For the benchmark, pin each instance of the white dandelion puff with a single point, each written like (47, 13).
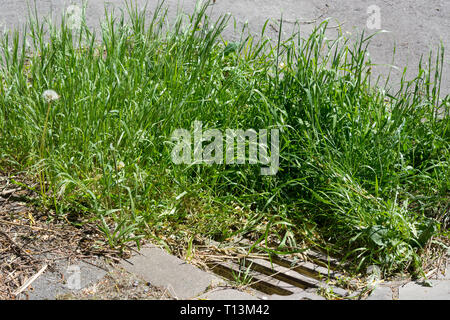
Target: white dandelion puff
(120, 165)
(50, 95)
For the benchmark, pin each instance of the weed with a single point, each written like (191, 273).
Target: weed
(363, 171)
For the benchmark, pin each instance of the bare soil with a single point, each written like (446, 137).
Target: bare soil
(32, 238)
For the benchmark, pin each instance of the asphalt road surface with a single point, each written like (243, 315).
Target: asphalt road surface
(414, 27)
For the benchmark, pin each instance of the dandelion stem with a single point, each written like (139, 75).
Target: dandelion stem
(42, 174)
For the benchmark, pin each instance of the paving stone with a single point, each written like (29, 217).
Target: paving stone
(226, 294)
(183, 281)
(50, 285)
(413, 291)
(381, 293)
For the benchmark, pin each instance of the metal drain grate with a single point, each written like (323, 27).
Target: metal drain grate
(272, 274)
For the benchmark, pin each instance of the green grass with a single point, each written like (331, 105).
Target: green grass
(363, 173)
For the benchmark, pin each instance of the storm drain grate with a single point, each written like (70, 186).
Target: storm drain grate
(273, 274)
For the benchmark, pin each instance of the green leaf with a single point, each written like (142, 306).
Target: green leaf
(425, 231)
(230, 48)
(379, 235)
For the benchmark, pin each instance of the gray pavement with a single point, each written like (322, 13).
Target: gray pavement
(70, 277)
(381, 293)
(185, 281)
(439, 290)
(436, 288)
(182, 280)
(226, 294)
(414, 27)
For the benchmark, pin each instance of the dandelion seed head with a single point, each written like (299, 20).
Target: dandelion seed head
(50, 95)
(120, 165)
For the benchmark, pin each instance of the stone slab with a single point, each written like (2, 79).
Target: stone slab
(413, 291)
(381, 293)
(227, 294)
(50, 285)
(182, 280)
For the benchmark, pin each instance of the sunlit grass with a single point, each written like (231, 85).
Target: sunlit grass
(363, 173)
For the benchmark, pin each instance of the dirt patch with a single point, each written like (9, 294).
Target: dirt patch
(35, 243)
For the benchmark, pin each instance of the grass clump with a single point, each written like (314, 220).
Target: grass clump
(362, 171)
